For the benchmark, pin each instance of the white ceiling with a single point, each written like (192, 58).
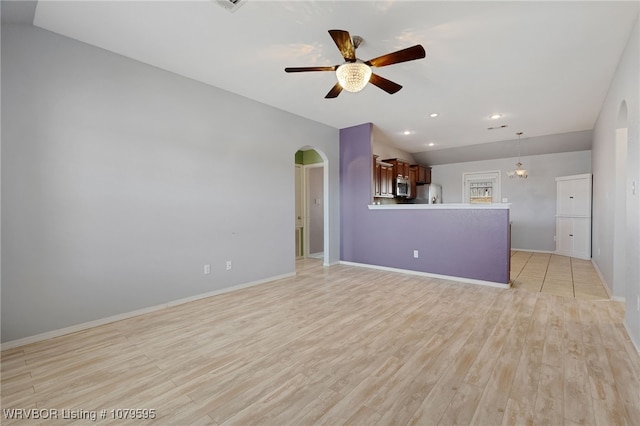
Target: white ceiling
(546, 66)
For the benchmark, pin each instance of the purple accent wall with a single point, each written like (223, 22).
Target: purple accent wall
(468, 243)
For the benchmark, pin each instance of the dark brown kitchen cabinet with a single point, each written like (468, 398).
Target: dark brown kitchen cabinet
(386, 181)
(376, 178)
(382, 179)
(423, 174)
(400, 167)
(413, 174)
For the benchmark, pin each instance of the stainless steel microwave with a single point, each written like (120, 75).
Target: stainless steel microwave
(401, 187)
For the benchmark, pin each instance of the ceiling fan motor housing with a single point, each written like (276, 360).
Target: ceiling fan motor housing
(357, 41)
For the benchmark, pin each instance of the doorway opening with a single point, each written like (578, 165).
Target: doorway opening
(311, 211)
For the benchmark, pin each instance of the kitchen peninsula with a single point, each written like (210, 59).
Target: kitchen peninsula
(465, 242)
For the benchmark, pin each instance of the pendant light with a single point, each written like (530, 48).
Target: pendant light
(519, 171)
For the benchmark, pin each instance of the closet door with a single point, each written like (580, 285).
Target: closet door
(581, 193)
(564, 198)
(581, 235)
(573, 216)
(564, 236)
(574, 197)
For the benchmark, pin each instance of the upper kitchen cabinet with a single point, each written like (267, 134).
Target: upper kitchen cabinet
(400, 167)
(423, 174)
(382, 179)
(413, 176)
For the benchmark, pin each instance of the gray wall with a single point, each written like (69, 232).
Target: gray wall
(625, 87)
(533, 201)
(120, 181)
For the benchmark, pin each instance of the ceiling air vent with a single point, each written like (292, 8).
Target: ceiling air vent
(498, 127)
(231, 5)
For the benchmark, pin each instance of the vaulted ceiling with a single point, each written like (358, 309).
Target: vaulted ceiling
(545, 67)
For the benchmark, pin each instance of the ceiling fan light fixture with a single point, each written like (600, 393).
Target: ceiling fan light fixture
(353, 76)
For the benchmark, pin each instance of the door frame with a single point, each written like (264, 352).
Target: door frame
(326, 199)
(305, 207)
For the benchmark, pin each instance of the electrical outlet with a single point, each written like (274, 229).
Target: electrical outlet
(555, 238)
(415, 254)
(207, 269)
(228, 265)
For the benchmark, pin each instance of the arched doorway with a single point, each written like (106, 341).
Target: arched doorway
(311, 200)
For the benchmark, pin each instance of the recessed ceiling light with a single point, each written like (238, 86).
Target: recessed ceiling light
(495, 116)
(433, 115)
(406, 132)
(431, 144)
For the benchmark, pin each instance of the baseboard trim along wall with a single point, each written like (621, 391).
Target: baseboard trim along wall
(607, 287)
(427, 274)
(534, 251)
(84, 326)
(633, 342)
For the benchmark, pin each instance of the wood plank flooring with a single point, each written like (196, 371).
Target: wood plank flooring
(344, 345)
(554, 274)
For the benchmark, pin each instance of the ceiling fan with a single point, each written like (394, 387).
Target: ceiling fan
(354, 74)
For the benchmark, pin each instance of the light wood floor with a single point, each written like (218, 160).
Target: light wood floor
(559, 275)
(346, 345)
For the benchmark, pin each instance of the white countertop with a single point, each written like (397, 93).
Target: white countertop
(446, 206)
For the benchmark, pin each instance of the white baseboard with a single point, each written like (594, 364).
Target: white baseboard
(607, 287)
(427, 274)
(570, 254)
(534, 251)
(102, 321)
(635, 344)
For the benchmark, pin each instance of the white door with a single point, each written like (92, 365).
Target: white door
(581, 197)
(564, 237)
(564, 198)
(574, 197)
(581, 231)
(574, 237)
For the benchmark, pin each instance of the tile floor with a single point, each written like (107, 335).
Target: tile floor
(559, 275)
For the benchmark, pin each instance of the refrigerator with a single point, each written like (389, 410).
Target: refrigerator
(429, 194)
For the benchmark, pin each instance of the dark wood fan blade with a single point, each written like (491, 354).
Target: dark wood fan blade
(344, 43)
(334, 92)
(386, 85)
(305, 69)
(404, 55)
